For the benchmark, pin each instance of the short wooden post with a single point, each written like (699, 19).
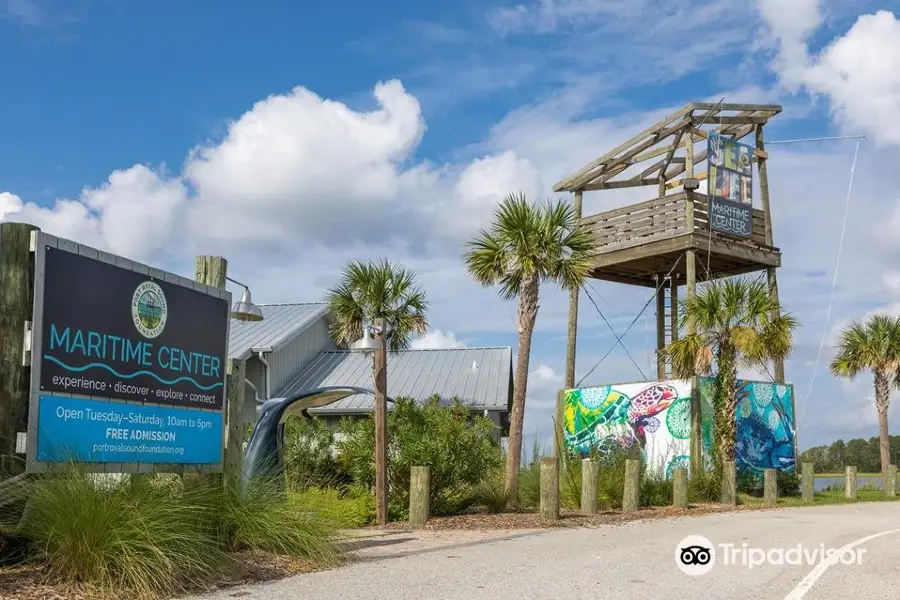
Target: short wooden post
(680, 488)
(770, 487)
(631, 495)
(807, 482)
(419, 496)
(890, 482)
(16, 303)
(549, 488)
(729, 483)
(590, 471)
(850, 484)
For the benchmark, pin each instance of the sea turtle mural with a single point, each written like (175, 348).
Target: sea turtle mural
(654, 416)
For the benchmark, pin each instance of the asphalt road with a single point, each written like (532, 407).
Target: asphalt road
(632, 561)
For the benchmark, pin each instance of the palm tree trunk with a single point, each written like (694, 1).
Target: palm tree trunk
(726, 402)
(882, 401)
(528, 307)
(379, 367)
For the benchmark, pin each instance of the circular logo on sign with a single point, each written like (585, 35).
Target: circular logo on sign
(149, 309)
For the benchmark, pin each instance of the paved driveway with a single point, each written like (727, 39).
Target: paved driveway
(633, 561)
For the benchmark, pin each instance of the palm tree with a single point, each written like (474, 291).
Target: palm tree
(525, 246)
(731, 321)
(875, 345)
(382, 299)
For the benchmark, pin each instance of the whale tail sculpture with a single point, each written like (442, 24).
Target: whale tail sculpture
(264, 457)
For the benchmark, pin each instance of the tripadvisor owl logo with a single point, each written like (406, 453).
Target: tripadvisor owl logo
(149, 309)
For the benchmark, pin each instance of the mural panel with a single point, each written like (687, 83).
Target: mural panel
(765, 425)
(656, 416)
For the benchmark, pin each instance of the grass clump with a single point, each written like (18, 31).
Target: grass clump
(348, 507)
(121, 536)
(491, 492)
(153, 536)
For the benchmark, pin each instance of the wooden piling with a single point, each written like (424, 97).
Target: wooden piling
(631, 495)
(850, 484)
(549, 489)
(419, 495)
(212, 271)
(16, 305)
(590, 471)
(680, 488)
(890, 482)
(770, 487)
(729, 483)
(807, 482)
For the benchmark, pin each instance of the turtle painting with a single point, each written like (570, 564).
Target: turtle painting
(605, 418)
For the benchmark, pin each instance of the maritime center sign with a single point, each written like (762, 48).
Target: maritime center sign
(114, 332)
(127, 368)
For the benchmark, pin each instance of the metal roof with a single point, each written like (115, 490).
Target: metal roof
(280, 324)
(479, 377)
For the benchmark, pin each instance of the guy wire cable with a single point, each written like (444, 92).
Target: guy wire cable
(618, 339)
(653, 297)
(834, 279)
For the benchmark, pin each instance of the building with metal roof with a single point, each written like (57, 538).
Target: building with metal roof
(291, 349)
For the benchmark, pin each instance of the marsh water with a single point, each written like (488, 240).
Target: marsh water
(820, 483)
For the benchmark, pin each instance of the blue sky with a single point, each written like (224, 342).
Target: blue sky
(291, 139)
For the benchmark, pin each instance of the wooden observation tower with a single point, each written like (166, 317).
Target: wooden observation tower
(669, 240)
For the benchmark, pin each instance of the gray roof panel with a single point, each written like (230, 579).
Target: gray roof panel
(281, 322)
(480, 377)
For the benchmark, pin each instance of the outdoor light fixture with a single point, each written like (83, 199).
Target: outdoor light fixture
(245, 310)
(368, 342)
(691, 183)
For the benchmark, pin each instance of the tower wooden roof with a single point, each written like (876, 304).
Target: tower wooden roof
(658, 145)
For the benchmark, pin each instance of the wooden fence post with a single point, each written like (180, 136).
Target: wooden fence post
(770, 487)
(807, 482)
(631, 495)
(890, 482)
(549, 488)
(850, 484)
(419, 495)
(680, 488)
(16, 304)
(590, 471)
(729, 483)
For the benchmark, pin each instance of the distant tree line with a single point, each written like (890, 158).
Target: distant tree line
(863, 454)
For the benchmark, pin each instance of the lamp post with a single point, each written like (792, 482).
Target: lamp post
(374, 339)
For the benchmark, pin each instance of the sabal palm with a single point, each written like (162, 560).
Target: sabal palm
(731, 321)
(377, 291)
(873, 345)
(383, 296)
(526, 245)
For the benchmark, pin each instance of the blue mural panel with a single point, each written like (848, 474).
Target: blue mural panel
(73, 429)
(765, 425)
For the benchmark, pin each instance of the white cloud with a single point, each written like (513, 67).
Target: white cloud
(859, 71)
(543, 384)
(436, 339)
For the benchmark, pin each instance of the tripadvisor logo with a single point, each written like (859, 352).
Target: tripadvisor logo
(149, 309)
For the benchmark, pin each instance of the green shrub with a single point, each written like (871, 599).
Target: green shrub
(491, 492)
(309, 455)
(457, 444)
(120, 536)
(705, 486)
(344, 508)
(656, 490)
(530, 479)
